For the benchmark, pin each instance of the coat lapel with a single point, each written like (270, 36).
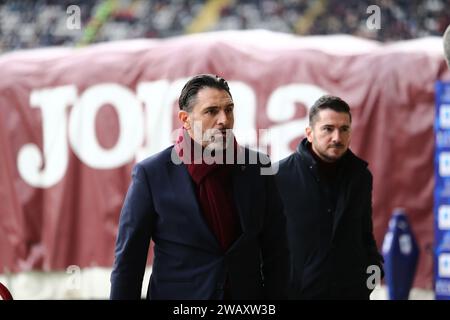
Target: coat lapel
(183, 189)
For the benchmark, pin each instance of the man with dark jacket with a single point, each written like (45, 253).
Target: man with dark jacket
(326, 191)
(211, 209)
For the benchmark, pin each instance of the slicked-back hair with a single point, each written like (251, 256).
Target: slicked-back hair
(195, 84)
(328, 102)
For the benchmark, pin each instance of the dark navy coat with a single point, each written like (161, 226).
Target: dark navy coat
(188, 261)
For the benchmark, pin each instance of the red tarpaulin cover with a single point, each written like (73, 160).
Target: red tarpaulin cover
(74, 121)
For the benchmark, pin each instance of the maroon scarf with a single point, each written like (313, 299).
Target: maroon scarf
(214, 190)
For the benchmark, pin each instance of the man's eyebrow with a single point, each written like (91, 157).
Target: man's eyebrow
(217, 107)
(211, 107)
(231, 104)
(332, 126)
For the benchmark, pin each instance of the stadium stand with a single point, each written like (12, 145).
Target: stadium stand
(29, 24)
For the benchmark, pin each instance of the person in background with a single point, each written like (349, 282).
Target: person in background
(327, 196)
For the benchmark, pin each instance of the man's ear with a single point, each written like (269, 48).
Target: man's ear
(184, 118)
(309, 133)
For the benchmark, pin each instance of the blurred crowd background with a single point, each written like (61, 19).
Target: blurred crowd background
(30, 24)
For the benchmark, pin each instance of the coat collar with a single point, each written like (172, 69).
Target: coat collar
(348, 159)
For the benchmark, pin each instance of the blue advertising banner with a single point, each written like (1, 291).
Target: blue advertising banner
(442, 192)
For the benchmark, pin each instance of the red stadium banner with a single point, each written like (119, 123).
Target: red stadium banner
(74, 121)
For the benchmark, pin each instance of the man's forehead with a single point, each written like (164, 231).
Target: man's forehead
(212, 92)
(329, 116)
(217, 98)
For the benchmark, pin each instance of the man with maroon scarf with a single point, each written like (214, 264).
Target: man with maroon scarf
(210, 207)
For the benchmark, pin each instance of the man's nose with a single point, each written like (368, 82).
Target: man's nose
(336, 136)
(222, 118)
